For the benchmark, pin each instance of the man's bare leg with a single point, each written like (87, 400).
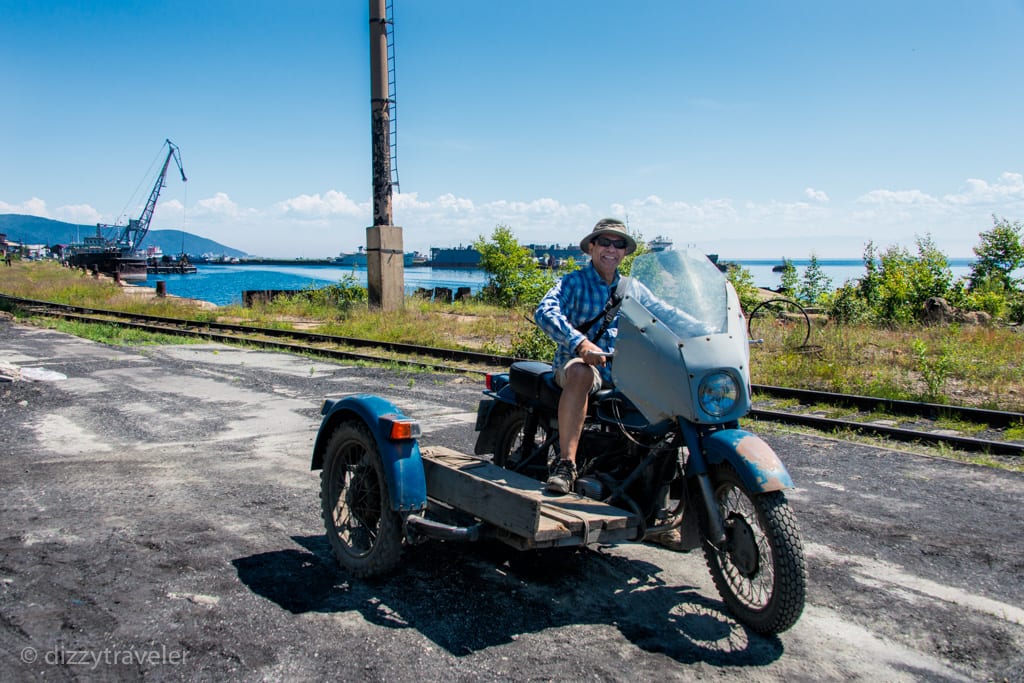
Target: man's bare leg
(572, 411)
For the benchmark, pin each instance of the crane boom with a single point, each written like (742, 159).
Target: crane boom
(134, 233)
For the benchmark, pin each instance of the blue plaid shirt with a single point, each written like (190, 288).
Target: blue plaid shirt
(574, 300)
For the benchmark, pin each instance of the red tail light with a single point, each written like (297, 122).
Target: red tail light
(399, 427)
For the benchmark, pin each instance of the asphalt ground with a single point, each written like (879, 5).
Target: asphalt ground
(160, 522)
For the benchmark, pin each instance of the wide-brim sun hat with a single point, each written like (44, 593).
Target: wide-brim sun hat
(612, 227)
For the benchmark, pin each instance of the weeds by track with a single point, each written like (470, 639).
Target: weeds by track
(899, 420)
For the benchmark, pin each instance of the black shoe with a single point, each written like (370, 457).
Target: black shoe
(562, 477)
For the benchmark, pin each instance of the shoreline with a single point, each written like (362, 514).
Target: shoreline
(142, 290)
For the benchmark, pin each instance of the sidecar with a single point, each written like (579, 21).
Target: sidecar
(379, 491)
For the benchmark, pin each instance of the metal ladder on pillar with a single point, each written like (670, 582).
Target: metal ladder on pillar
(389, 23)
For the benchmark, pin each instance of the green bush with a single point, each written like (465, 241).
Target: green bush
(935, 370)
(1015, 309)
(987, 300)
(789, 281)
(341, 296)
(815, 286)
(743, 282)
(847, 306)
(533, 343)
(1000, 253)
(896, 284)
(514, 279)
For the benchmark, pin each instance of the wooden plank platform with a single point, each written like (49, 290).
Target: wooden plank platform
(519, 505)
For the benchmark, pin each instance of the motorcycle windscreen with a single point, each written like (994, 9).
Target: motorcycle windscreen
(675, 328)
(683, 289)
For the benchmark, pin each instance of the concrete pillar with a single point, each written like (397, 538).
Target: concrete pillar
(385, 267)
(385, 272)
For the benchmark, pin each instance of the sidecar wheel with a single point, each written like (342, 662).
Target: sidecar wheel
(761, 575)
(364, 532)
(508, 451)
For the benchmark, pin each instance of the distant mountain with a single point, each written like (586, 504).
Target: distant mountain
(35, 230)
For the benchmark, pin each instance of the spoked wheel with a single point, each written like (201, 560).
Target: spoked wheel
(509, 452)
(760, 573)
(779, 324)
(364, 532)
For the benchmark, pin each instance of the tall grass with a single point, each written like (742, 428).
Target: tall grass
(49, 281)
(962, 365)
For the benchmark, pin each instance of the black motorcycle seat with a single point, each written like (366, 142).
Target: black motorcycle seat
(536, 380)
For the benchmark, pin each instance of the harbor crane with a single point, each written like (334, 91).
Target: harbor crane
(132, 235)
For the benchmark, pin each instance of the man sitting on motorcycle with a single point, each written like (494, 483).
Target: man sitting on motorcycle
(577, 303)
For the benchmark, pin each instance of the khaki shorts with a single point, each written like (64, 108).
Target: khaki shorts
(595, 385)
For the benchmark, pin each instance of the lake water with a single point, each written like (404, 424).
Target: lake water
(224, 284)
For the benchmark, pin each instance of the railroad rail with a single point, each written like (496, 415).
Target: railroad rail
(923, 415)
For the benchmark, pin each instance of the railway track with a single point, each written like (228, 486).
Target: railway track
(909, 421)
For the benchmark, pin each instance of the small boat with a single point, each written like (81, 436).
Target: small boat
(659, 243)
(168, 265)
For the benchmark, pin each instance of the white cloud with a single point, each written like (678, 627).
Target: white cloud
(787, 213)
(451, 202)
(451, 220)
(815, 195)
(217, 205)
(169, 213)
(31, 207)
(80, 214)
(544, 206)
(652, 200)
(332, 203)
(897, 197)
(1009, 188)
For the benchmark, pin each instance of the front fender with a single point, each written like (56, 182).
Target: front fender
(403, 467)
(754, 460)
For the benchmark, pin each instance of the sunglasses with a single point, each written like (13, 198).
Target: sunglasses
(603, 241)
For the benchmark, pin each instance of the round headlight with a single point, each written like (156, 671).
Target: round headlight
(717, 393)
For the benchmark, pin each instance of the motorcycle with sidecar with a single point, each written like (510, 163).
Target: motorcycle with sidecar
(661, 449)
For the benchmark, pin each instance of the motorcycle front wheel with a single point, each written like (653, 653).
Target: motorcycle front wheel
(760, 572)
(364, 532)
(512, 453)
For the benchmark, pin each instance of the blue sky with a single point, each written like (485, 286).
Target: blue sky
(750, 129)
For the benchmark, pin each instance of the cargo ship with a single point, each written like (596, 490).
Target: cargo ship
(547, 255)
(97, 255)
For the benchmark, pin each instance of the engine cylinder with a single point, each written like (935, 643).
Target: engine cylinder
(591, 487)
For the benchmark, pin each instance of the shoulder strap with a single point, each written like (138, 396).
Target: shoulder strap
(585, 327)
(610, 309)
